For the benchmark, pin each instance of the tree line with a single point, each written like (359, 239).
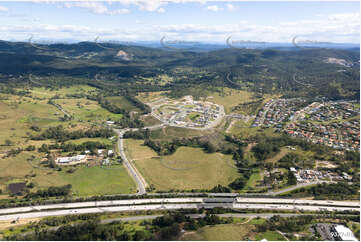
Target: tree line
(71, 147)
(60, 134)
(336, 191)
(167, 227)
(51, 192)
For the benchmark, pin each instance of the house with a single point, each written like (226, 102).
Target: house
(63, 160)
(105, 161)
(78, 157)
(110, 152)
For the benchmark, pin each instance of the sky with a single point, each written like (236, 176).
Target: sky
(180, 20)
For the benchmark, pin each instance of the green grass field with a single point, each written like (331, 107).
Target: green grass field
(82, 140)
(18, 114)
(278, 156)
(230, 98)
(84, 110)
(88, 181)
(169, 133)
(257, 221)
(270, 236)
(150, 121)
(188, 168)
(150, 96)
(41, 92)
(245, 131)
(85, 180)
(256, 177)
(123, 103)
(221, 232)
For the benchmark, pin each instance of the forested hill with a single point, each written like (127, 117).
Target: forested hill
(330, 72)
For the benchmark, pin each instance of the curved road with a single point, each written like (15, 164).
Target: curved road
(133, 172)
(296, 187)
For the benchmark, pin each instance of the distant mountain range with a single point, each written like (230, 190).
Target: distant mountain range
(332, 72)
(204, 46)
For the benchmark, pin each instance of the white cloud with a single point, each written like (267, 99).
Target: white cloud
(149, 5)
(230, 7)
(332, 28)
(96, 7)
(214, 8)
(161, 10)
(3, 9)
(145, 5)
(345, 17)
(119, 11)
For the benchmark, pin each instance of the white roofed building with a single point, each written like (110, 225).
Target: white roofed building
(66, 160)
(63, 160)
(345, 233)
(110, 152)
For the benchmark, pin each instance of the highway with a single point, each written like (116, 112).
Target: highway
(99, 204)
(175, 206)
(178, 200)
(175, 203)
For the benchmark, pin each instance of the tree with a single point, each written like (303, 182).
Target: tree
(292, 180)
(220, 189)
(238, 184)
(139, 235)
(210, 147)
(167, 233)
(35, 128)
(8, 142)
(51, 161)
(30, 148)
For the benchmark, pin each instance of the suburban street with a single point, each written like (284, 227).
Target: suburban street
(261, 120)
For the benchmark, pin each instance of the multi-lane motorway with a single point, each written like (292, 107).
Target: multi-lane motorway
(174, 204)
